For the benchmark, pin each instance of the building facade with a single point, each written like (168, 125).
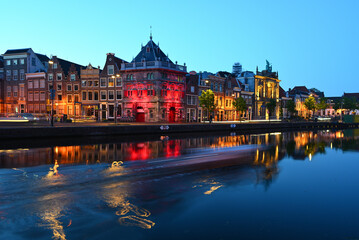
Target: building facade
(90, 93)
(35, 93)
(17, 63)
(154, 86)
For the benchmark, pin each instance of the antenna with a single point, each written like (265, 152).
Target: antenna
(151, 32)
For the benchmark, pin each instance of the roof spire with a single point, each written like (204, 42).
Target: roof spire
(151, 32)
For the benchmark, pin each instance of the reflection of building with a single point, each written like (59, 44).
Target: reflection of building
(154, 86)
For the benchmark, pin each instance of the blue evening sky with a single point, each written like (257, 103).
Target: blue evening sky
(312, 43)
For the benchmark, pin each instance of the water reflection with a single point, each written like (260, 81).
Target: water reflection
(132, 185)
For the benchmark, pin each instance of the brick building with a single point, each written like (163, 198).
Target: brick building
(90, 92)
(111, 88)
(64, 77)
(36, 93)
(154, 86)
(18, 62)
(191, 98)
(1, 85)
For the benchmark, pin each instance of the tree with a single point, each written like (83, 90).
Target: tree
(338, 104)
(240, 105)
(291, 107)
(349, 103)
(310, 103)
(271, 105)
(322, 105)
(206, 101)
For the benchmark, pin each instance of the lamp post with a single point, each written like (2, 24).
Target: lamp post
(115, 94)
(52, 96)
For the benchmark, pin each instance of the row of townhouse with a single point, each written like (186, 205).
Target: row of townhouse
(150, 88)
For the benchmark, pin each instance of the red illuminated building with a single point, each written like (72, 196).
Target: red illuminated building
(154, 87)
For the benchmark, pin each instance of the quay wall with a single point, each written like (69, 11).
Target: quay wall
(129, 130)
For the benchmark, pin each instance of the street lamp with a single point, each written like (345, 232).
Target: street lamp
(115, 94)
(52, 96)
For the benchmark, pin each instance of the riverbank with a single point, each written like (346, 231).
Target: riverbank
(26, 132)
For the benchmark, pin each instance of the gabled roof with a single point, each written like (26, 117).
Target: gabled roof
(43, 58)
(14, 51)
(119, 61)
(151, 52)
(66, 65)
(281, 92)
(299, 89)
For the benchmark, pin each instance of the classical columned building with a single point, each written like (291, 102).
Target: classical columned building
(154, 86)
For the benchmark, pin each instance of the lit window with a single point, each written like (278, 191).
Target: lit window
(69, 98)
(110, 82)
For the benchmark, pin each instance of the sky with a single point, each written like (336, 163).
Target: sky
(312, 43)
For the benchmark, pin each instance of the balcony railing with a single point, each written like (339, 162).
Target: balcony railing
(153, 64)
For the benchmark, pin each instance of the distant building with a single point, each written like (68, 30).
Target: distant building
(299, 94)
(237, 69)
(18, 62)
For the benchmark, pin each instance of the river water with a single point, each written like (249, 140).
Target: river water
(290, 185)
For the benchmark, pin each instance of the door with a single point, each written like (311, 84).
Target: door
(172, 115)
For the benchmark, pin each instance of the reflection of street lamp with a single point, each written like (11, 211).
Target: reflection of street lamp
(115, 94)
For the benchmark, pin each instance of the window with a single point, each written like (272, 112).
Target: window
(43, 107)
(59, 76)
(103, 82)
(72, 77)
(118, 82)
(130, 77)
(22, 91)
(95, 96)
(50, 77)
(33, 61)
(42, 83)
(229, 84)
(95, 83)
(59, 97)
(30, 96)
(22, 74)
(110, 95)
(90, 96)
(110, 69)
(76, 87)
(8, 62)
(220, 87)
(51, 86)
(36, 83)
(151, 113)
(14, 74)
(77, 98)
(103, 95)
(15, 91)
(36, 96)
(147, 49)
(31, 108)
(9, 91)
(69, 98)
(192, 89)
(29, 84)
(83, 83)
(54, 66)
(8, 74)
(14, 62)
(118, 95)
(22, 61)
(83, 96)
(59, 87)
(89, 83)
(36, 108)
(42, 96)
(69, 87)
(110, 82)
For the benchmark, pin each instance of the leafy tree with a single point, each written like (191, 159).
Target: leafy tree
(322, 105)
(291, 107)
(206, 101)
(337, 104)
(310, 103)
(271, 106)
(349, 103)
(240, 105)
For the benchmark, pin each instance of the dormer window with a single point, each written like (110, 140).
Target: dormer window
(148, 49)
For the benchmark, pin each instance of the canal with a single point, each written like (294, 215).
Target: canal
(282, 185)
